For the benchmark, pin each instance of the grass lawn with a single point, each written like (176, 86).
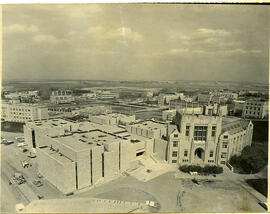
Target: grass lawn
(12, 127)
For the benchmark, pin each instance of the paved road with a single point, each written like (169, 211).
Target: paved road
(11, 157)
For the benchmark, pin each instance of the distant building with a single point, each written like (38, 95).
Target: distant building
(210, 98)
(238, 106)
(104, 95)
(195, 108)
(168, 115)
(204, 98)
(255, 109)
(226, 94)
(164, 99)
(149, 129)
(21, 94)
(62, 96)
(23, 112)
(112, 119)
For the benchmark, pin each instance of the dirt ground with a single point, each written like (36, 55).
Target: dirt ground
(215, 196)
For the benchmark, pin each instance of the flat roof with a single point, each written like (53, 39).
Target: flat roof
(86, 140)
(87, 126)
(50, 123)
(150, 125)
(56, 155)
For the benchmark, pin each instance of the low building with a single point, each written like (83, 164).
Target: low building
(73, 156)
(21, 94)
(255, 109)
(112, 119)
(149, 129)
(168, 115)
(23, 112)
(164, 99)
(226, 94)
(62, 96)
(238, 106)
(195, 108)
(107, 95)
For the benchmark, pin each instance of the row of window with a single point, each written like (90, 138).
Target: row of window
(258, 113)
(254, 108)
(62, 98)
(175, 153)
(22, 118)
(185, 160)
(20, 113)
(259, 104)
(19, 109)
(200, 132)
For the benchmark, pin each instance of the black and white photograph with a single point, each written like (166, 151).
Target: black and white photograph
(134, 108)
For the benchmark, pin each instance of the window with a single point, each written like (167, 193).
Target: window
(211, 154)
(222, 162)
(175, 143)
(174, 154)
(184, 160)
(186, 153)
(213, 131)
(210, 161)
(224, 145)
(200, 133)
(187, 130)
(223, 155)
(174, 161)
(225, 136)
(175, 135)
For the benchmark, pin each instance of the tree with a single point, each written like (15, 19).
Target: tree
(177, 120)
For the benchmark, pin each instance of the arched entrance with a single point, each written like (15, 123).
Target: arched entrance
(199, 154)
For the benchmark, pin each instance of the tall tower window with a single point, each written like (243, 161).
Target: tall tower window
(187, 130)
(200, 133)
(213, 131)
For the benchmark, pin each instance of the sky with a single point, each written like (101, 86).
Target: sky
(136, 42)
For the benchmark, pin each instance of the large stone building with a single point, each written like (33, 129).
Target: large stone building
(73, 156)
(23, 112)
(203, 139)
(255, 109)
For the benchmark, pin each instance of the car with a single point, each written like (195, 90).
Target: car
(31, 155)
(21, 144)
(3, 141)
(24, 150)
(25, 164)
(9, 142)
(40, 197)
(19, 207)
(37, 183)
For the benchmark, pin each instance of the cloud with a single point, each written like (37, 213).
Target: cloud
(123, 34)
(49, 39)
(213, 32)
(15, 28)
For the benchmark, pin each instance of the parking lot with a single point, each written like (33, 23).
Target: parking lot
(12, 158)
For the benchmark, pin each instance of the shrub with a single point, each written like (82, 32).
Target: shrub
(208, 169)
